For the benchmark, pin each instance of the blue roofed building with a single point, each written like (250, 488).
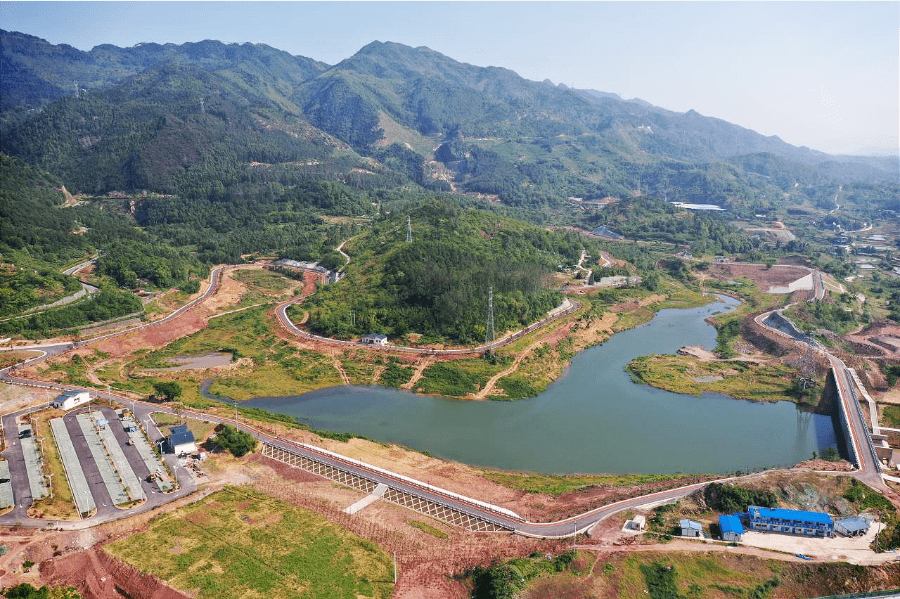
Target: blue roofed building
(731, 528)
(797, 522)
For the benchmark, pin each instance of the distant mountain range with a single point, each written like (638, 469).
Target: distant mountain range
(194, 117)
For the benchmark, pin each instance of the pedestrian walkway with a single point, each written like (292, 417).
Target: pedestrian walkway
(81, 491)
(104, 464)
(368, 500)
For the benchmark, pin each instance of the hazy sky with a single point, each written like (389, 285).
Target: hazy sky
(820, 74)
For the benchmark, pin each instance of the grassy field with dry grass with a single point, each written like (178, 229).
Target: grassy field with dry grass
(241, 543)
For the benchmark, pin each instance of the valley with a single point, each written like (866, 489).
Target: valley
(461, 324)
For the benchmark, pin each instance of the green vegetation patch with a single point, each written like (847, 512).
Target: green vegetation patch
(238, 442)
(741, 380)
(238, 543)
(457, 378)
(734, 498)
(428, 529)
(507, 580)
(26, 591)
(395, 375)
(556, 485)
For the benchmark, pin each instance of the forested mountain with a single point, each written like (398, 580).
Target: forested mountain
(33, 71)
(204, 119)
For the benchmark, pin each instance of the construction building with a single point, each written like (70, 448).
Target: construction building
(852, 527)
(691, 528)
(797, 522)
(731, 528)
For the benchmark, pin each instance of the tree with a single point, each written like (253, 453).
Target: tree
(169, 390)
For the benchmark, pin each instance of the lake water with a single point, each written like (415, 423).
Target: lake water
(594, 419)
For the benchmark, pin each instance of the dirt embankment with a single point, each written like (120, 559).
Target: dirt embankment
(96, 574)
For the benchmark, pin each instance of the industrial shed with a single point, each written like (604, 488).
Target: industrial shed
(731, 528)
(691, 528)
(181, 440)
(798, 522)
(852, 527)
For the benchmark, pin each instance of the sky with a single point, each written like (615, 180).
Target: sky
(825, 75)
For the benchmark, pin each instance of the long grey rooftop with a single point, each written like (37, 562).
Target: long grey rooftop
(126, 473)
(104, 465)
(33, 464)
(6, 490)
(81, 490)
(151, 459)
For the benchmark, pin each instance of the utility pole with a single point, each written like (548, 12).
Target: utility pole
(395, 567)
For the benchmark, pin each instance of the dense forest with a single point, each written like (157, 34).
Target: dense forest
(437, 285)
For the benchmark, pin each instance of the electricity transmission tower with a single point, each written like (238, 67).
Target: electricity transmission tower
(489, 329)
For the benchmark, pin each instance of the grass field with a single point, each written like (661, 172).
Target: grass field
(242, 544)
(62, 505)
(741, 380)
(556, 485)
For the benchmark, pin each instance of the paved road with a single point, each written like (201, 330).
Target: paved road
(16, 459)
(567, 307)
(869, 470)
(559, 529)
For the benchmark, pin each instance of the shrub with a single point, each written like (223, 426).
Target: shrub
(234, 440)
(732, 498)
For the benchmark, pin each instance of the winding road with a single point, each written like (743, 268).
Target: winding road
(868, 471)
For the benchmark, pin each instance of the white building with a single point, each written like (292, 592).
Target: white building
(375, 339)
(71, 399)
(181, 440)
(639, 523)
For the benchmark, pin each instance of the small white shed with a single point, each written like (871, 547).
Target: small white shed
(71, 399)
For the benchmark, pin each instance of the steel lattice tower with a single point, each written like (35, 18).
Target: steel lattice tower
(489, 330)
(408, 230)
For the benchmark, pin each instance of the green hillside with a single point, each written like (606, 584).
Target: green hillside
(437, 285)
